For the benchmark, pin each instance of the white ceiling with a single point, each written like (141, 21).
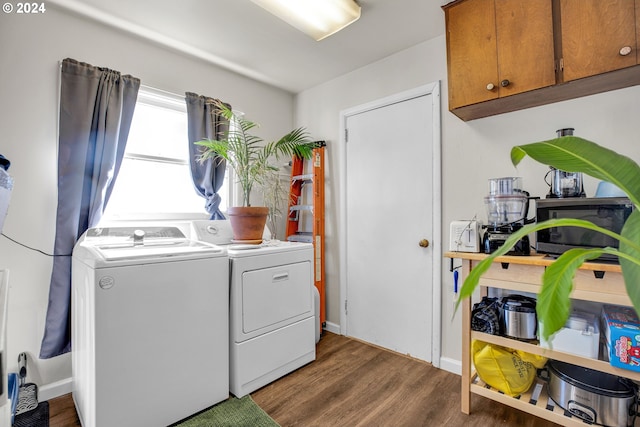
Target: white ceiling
(239, 35)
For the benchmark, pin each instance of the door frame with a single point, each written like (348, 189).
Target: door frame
(432, 89)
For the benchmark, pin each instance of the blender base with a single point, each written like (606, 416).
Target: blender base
(492, 240)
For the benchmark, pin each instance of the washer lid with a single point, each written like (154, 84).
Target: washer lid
(136, 243)
(116, 251)
(127, 233)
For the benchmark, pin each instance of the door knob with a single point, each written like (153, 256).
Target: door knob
(626, 50)
(423, 243)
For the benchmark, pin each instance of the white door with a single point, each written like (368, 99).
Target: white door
(392, 191)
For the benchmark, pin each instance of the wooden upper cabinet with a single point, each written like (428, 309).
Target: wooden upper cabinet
(525, 45)
(497, 48)
(472, 58)
(597, 36)
(507, 55)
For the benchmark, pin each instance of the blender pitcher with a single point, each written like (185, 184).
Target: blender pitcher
(562, 183)
(507, 205)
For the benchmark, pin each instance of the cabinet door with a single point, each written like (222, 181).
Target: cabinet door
(498, 48)
(597, 36)
(471, 52)
(525, 45)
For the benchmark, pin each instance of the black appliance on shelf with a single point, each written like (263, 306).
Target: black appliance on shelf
(609, 213)
(495, 236)
(507, 205)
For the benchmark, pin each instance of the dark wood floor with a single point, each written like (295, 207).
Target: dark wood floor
(356, 384)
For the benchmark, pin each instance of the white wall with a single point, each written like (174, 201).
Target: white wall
(472, 152)
(31, 47)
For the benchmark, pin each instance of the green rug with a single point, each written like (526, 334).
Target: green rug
(233, 412)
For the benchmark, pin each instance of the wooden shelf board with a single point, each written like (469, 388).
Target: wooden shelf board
(534, 259)
(586, 295)
(544, 407)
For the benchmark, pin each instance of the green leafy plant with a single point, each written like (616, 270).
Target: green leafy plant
(574, 154)
(249, 155)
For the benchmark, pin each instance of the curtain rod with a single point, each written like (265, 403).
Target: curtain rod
(161, 92)
(142, 86)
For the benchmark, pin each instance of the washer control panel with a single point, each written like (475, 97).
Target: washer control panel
(217, 232)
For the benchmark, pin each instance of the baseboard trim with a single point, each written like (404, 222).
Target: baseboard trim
(53, 390)
(332, 327)
(452, 365)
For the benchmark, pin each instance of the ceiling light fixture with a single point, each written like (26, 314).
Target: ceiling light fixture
(316, 18)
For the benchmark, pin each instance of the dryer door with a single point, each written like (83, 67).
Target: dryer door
(276, 296)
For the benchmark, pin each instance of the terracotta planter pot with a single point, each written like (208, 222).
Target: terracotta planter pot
(248, 222)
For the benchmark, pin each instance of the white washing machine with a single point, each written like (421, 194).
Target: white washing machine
(272, 321)
(150, 332)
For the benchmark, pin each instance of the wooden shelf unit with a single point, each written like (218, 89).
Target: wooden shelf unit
(597, 282)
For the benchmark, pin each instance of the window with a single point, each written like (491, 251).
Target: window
(155, 179)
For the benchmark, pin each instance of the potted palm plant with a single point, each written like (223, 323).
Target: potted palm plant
(575, 154)
(250, 158)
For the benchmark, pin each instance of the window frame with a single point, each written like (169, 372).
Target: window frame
(162, 99)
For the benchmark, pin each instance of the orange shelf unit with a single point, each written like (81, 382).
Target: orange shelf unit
(305, 222)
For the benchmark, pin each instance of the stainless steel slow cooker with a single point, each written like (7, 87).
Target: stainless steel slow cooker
(518, 317)
(596, 397)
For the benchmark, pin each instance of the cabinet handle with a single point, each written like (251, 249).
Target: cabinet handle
(490, 86)
(505, 83)
(626, 50)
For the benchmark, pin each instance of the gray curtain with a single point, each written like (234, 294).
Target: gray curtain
(205, 122)
(96, 108)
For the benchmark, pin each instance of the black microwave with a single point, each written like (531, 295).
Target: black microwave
(607, 212)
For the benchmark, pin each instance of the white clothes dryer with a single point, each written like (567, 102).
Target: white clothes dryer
(272, 321)
(150, 326)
